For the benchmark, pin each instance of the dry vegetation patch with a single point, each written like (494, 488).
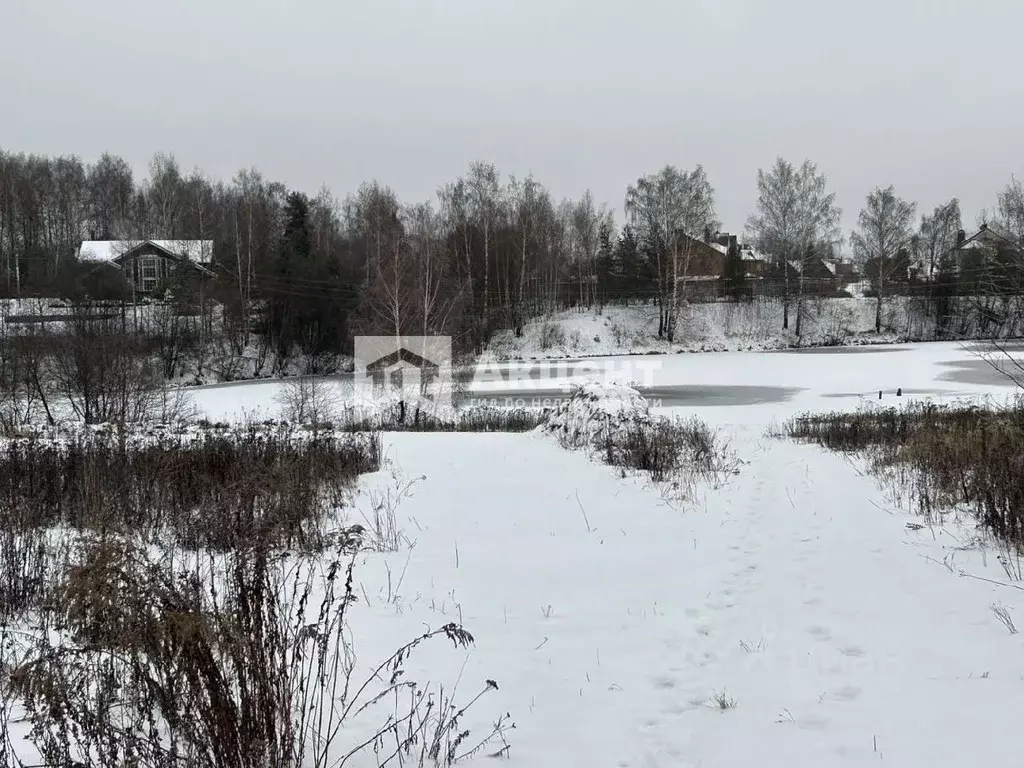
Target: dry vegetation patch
(945, 457)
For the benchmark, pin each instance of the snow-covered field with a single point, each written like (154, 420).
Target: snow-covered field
(794, 591)
(789, 618)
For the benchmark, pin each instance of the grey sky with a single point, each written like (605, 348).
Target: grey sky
(923, 94)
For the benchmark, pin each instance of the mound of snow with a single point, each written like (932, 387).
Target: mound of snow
(594, 411)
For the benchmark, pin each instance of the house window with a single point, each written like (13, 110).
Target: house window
(149, 272)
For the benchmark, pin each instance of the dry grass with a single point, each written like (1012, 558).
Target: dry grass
(666, 448)
(241, 661)
(177, 599)
(945, 457)
(205, 488)
(475, 419)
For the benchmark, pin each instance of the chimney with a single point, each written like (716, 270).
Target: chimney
(733, 243)
(92, 234)
(961, 236)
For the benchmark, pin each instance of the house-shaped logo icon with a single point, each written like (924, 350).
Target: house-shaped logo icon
(412, 369)
(403, 371)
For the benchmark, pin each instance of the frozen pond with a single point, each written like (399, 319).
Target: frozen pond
(667, 396)
(784, 382)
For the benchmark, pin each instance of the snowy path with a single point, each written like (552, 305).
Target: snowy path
(789, 590)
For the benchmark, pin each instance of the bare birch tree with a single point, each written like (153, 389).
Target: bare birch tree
(671, 209)
(1008, 226)
(455, 215)
(587, 220)
(885, 227)
(938, 233)
(795, 216)
(436, 290)
(1010, 212)
(525, 200)
(484, 209)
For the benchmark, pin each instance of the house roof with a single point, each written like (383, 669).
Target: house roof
(105, 251)
(718, 247)
(401, 355)
(997, 229)
(986, 233)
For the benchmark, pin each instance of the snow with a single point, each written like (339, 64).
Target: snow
(610, 619)
(720, 326)
(200, 251)
(612, 616)
(715, 326)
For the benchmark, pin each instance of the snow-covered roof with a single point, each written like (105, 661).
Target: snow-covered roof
(752, 254)
(999, 230)
(989, 236)
(719, 247)
(829, 266)
(199, 251)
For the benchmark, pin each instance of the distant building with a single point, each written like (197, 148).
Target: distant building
(987, 242)
(845, 271)
(145, 263)
(706, 259)
(757, 264)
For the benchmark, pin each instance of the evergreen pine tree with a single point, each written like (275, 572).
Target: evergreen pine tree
(287, 312)
(735, 275)
(606, 282)
(296, 228)
(627, 259)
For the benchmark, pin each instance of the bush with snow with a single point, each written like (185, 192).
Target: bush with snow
(596, 411)
(615, 420)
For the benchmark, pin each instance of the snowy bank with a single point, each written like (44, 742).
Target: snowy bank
(733, 326)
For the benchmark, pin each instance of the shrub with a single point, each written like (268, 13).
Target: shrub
(551, 335)
(664, 447)
(615, 420)
(309, 400)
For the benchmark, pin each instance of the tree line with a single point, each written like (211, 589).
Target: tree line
(307, 272)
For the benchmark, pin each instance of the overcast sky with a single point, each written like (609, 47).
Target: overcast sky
(924, 94)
